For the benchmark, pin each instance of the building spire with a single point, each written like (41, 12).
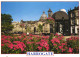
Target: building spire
(49, 10)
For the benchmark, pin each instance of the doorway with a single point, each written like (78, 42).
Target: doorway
(51, 28)
(34, 30)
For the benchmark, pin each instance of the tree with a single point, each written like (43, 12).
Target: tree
(6, 21)
(28, 29)
(40, 28)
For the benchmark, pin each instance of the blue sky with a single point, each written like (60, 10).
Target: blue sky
(33, 10)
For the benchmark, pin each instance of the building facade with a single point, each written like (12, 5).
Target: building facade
(64, 23)
(74, 20)
(61, 22)
(17, 28)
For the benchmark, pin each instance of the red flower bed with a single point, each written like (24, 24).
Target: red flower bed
(22, 44)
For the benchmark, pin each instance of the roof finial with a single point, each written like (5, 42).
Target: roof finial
(43, 11)
(49, 10)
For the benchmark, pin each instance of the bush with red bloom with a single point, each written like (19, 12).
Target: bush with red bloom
(60, 47)
(2, 44)
(63, 50)
(54, 42)
(56, 34)
(70, 50)
(57, 44)
(44, 44)
(18, 45)
(30, 35)
(50, 18)
(10, 46)
(39, 47)
(29, 42)
(73, 42)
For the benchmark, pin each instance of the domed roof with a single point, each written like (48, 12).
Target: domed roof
(43, 16)
(63, 10)
(59, 15)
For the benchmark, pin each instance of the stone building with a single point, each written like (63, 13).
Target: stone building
(61, 22)
(17, 27)
(64, 23)
(33, 26)
(74, 20)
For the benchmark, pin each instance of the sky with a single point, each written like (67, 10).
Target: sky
(31, 11)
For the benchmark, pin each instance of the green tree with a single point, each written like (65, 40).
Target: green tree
(28, 29)
(6, 21)
(40, 28)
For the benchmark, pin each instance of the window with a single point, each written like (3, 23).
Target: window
(73, 29)
(77, 13)
(78, 30)
(73, 14)
(43, 24)
(77, 21)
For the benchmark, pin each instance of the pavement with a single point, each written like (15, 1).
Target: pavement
(65, 37)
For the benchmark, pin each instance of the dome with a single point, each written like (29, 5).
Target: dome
(43, 16)
(63, 10)
(59, 15)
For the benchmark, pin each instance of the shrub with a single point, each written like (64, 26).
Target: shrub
(23, 43)
(73, 42)
(58, 44)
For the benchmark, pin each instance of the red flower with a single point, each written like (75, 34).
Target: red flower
(57, 41)
(47, 48)
(63, 44)
(56, 34)
(39, 47)
(2, 44)
(14, 48)
(29, 42)
(24, 39)
(63, 50)
(46, 37)
(70, 49)
(22, 49)
(19, 37)
(41, 44)
(37, 42)
(31, 38)
(55, 44)
(16, 41)
(30, 35)
(10, 46)
(50, 18)
(52, 40)
(60, 47)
